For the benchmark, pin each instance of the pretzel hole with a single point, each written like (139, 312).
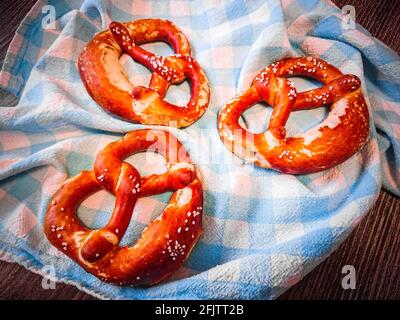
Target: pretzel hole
(256, 118)
(146, 210)
(95, 211)
(158, 47)
(303, 83)
(138, 74)
(148, 162)
(179, 94)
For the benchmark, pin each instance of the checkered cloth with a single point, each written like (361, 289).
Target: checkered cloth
(263, 230)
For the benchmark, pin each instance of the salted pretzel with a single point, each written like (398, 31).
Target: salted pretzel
(107, 83)
(338, 137)
(165, 243)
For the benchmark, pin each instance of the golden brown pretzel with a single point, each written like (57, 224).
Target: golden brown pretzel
(107, 83)
(335, 139)
(165, 243)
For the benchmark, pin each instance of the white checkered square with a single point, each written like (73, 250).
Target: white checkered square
(236, 234)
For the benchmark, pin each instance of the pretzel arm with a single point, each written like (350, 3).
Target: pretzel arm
(176, 177)
(328, 94)
(159, 84)
(283, 104)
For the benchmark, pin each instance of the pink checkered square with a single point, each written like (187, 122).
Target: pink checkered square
(222, 57)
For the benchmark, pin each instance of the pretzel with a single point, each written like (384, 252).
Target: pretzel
(107, 83)
(338, 137)
(165, 243)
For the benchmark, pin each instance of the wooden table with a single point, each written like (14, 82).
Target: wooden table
(373, 247)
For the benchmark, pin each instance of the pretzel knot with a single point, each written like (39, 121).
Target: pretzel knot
(108, 84)
(165, 243)
(338, 137)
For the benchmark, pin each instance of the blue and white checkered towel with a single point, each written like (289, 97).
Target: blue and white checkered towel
(263, 231)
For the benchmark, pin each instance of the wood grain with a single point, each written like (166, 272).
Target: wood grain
(372, 248)
(11, 15)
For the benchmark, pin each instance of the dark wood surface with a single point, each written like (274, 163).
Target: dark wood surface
(373, 247)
